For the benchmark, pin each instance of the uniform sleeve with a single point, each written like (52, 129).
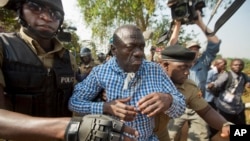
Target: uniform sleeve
(195, 101)
(83, 94)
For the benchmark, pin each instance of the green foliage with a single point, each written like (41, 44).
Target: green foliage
(103, 16)
(8, 20)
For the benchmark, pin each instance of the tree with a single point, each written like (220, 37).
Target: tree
(8, 20)
(103, 16)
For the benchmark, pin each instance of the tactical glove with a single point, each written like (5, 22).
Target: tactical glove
(94, 128)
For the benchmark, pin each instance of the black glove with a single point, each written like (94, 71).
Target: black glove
(94, 127)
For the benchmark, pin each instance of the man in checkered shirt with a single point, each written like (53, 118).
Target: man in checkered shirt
(136, 89)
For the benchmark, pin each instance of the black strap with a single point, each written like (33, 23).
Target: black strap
(226, 15)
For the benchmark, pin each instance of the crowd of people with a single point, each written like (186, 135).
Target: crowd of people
(45, 95)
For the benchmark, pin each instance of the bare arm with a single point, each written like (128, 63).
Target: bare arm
(215, 120)
(24, 127)
(175, 35)
(203, 27)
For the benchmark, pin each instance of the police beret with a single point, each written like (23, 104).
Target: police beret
(177, 53)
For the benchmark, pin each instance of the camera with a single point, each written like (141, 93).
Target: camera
(185, 10)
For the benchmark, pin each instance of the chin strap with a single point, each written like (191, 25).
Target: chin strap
(32, 30)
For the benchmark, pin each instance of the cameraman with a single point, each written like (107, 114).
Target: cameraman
(198, 73)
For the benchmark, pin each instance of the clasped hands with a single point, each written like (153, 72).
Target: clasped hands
(150, 105)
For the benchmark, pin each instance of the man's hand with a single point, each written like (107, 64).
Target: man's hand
(99, 127)
(154, 103)
(199, 21)
(225, 132)
(210, 85)
(120, 109)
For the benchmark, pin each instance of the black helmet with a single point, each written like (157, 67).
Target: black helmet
(13, 4)
(85, 51)
(16, 5)
(100, 55)
(56, 4)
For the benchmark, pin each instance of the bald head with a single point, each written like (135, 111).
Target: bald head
(219, 61)
(127, 33)
(128, 47)
(220, 64)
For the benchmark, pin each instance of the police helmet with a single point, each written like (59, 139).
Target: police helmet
(100, 55)
(13, 4)
(85, 52)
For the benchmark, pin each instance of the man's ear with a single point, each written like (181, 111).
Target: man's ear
(113, 50)
(164, 64)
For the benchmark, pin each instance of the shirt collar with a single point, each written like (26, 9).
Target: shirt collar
(179, 86)
(37, 48)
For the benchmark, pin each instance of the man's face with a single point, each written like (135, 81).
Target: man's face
(129, 49)
(86, 58)
(41, 18)
(101, 58)
(237, 66)
(177, 71)
(221, 66)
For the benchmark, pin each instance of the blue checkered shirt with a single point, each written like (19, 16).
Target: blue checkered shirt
(109, 76)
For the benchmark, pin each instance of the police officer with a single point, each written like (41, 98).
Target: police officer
(87, 63)
(16, 126)
(176, 62)
(37, 72)
(101, 58)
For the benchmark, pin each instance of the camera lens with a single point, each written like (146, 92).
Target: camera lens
(181, 11)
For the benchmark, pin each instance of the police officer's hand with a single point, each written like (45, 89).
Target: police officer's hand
(247, 85)
(120, 109)
(99, 127)
(154, 103)
(225, 132)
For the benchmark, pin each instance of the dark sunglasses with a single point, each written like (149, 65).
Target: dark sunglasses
(38, 9)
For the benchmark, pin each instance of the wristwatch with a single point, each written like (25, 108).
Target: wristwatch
(71, 133)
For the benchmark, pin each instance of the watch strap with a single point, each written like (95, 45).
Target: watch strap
(71, 133)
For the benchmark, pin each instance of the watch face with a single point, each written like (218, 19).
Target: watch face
(74, 126)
